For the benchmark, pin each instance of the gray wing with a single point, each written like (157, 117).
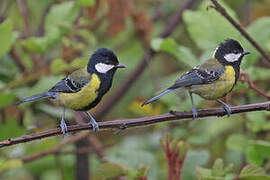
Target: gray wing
(72, 83)
(198, 76)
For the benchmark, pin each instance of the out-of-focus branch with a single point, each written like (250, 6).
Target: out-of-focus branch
(24, 12)
(122, 90)
(97, 146)
(56, 148)
(252, 85)
(238, 26)
(82, 165)
(17, 60)
(137, 122)
(25, 79)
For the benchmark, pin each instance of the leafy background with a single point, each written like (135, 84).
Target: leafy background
(42, 41)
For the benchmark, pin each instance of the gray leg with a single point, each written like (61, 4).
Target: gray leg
(226, 107)
(194, 110)
(63, 124)
(93, 122)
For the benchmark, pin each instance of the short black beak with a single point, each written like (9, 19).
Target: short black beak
(246, 52)
(120, 66)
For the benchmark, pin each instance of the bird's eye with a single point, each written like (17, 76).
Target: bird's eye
(235, 52)
(107, 62)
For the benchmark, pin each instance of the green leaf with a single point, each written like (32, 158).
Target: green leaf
(5, 37)
(253, 156)
(251, 172)
(137, 151)
(111, 170)
(256, 121)
(35, 44)
(262, 147)
(44, 84)
(183, 54)
(79, 63)
(156, 43)
(209, 28)
(88, 36)
(218, 172)
(258, 151)
(58, 65)
(260, 31)
(61, 16)
(86, 3)
(258, 73)
(194, 159)
(199, 138)
(58, 22)
(10, 128)
(218, 168)
(10, 164)
(203, 173)
(142, 172)
(237, 142)
(6, 99)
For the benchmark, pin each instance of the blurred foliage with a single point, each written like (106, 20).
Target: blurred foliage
(52, 38)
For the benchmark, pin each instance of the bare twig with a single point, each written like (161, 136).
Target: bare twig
(122, 90)
(54, 149)
(248, 12)
(76, 151)
(97, 146)
(26, 79)
(16, 58)
(82, 165)
(41, 29)
(252, 85)
(24, 12)
(138, 122)
(59, 167)
(238, 26)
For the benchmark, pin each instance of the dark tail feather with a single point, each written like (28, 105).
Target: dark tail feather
(158, 96)
(39, 96)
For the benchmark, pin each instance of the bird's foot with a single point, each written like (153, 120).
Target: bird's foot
(194, 113)
(94, 124)
(63, 126)
(227, 109)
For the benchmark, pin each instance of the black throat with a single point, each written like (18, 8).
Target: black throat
(105, 85)
(235, 65)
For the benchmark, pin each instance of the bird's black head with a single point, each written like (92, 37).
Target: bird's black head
(103, 62)
(230, 52)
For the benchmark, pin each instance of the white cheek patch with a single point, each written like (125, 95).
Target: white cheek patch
(103, 68)
(232, 57)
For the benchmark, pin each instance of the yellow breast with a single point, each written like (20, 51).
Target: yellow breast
(217, 89)
(84, 97)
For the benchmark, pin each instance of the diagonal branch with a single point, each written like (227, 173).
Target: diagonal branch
(16, 58)
(238, 26)
(56, 148)
(173, 21)
(140, 122)
(252, 85)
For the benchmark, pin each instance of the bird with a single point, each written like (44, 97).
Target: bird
(84, 88)
(214, 78)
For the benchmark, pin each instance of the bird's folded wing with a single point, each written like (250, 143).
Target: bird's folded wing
(199, 75)
(73, 82)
